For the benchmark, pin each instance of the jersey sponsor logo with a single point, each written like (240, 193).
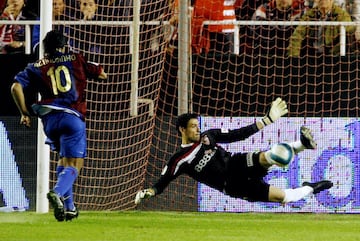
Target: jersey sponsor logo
(206, 158)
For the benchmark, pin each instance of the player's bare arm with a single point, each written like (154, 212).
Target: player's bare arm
(19, 98)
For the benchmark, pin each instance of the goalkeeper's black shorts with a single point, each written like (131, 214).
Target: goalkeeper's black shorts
(245, 178)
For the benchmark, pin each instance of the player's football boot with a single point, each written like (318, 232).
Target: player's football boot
(307, 138)
(319, 186)
(57, 205)
(69, 215)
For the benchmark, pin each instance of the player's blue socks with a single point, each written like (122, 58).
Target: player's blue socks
(68, 200)
(59, 169)
(68, 196)
(65, 180)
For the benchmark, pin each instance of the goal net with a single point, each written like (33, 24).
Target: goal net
(128, 148)
(121, 110)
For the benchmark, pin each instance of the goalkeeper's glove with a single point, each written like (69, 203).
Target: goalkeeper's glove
(143, 194)
(278, 108)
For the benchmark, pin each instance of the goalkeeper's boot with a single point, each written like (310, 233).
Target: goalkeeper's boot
(57, 204)
(69, 215)
(319, 186)
(307, 138)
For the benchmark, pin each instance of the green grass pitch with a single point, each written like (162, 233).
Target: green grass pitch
(182, 226)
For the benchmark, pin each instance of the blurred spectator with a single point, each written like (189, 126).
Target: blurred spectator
(271, 39)
(59, 13)
(354, 10)
(279, 10)
(87, 38)
(117, 10)
(317, 40)
(244, 11)
(353, 7)
(88, 9)
(2, 5)
(120, 10)
(171, 30)
(151, 34)
(12, 37)
(214, 38)
(247, 8)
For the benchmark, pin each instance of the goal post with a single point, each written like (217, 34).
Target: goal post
(43, 151)
(184, 57)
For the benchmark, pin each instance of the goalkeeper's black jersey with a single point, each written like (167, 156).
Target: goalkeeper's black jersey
(205, 161)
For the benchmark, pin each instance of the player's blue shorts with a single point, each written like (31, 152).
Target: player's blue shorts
(66, 134)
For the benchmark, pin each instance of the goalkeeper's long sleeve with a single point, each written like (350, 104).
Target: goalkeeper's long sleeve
(205, 161)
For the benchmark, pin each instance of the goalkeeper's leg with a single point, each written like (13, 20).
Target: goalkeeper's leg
(296, 194)
(306, 140)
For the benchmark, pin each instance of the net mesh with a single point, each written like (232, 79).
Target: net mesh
(118, 142)
(126, 153)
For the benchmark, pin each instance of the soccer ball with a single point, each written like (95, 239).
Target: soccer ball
(282, 154)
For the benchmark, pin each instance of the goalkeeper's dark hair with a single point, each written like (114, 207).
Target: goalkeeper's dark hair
(53, 40)
(183, 120)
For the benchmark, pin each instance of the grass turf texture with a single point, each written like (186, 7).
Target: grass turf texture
(184, 226)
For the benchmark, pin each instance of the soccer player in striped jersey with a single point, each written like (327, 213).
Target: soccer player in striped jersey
(238, 175)
(60, 78)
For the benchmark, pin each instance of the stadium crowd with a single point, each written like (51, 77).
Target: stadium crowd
(216, 39)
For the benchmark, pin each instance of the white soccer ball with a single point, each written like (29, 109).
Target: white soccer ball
(282, 154)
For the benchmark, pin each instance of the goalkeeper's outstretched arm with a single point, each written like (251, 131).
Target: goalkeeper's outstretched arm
(167, 175)
(144, 194)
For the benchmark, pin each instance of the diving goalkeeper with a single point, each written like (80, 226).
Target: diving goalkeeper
(239, 175)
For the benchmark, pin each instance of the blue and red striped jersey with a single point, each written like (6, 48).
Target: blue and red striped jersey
(60, 80)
